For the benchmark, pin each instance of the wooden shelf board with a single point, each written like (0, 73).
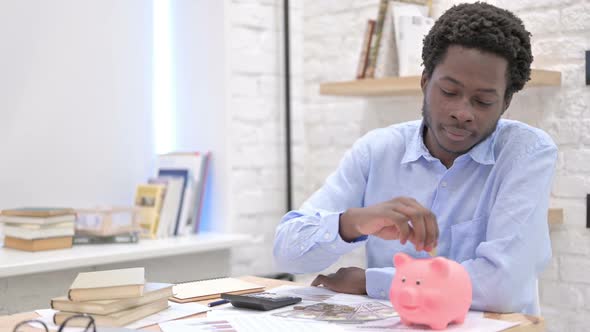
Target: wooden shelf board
(410, 85)
(555, 216)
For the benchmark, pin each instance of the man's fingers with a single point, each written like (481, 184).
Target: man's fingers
(419, 232)
(320, 280)
(404, 230)
(431, 232)
(416, 214)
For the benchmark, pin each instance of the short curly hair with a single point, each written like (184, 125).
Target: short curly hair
(487, 28)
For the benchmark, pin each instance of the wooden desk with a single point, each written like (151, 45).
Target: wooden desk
(527, 323)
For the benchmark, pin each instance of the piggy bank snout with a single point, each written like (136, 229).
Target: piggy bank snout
(408, 297)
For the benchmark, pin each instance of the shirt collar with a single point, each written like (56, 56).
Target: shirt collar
(482, 153)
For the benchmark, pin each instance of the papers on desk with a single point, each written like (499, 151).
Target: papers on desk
(475, 322)
(245, 323)
(174, 311)
(250, 320)
(320, 294)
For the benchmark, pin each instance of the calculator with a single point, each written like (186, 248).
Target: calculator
(260, 301)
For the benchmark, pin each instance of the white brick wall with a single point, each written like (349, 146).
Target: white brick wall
(326, 38)
(256, 128)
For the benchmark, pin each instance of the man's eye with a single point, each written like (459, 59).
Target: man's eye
(448, 93)
(484, 103)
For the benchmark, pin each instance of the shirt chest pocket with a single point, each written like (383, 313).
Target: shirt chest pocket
(466, 236)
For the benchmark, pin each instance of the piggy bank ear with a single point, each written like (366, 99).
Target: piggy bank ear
(400, 259)
(440, 266)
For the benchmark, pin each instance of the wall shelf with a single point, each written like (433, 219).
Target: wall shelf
(555, 216)
(410, 85)
(18, 263)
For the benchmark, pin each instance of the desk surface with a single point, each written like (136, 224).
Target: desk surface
(527, 323)
(16, 262)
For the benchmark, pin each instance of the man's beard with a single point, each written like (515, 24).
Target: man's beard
(428, 126)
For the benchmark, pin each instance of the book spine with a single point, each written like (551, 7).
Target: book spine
(202, 189)
(364, 58)
(376, 39)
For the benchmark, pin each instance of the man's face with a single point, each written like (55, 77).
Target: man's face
(463, 101)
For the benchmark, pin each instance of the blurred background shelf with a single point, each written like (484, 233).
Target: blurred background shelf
(555, 216)
(410, 85)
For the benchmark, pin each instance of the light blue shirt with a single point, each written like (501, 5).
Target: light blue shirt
(491, 208)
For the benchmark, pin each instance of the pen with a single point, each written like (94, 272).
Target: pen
(216, 303)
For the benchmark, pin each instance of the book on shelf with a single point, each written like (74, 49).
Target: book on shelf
(108, 285)
(401, 45)
(39, 231)
(176, 181)
(40, 212)
(149, 199)
(52, 243)
(120, 318)
(197, 165)
(412, 30)
(374, 51)
(386, 65)
(81, 238)
(37, 215)
(364, 57)
(152, 292)
(212, 288)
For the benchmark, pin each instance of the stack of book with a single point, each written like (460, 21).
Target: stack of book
(37, 229)
(112, 298)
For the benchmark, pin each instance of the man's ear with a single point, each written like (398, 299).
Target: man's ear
(507, 100)
(424, 81)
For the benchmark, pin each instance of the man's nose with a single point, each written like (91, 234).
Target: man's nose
(463, 113)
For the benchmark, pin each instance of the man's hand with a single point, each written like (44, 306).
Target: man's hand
(350, 280)
(400, 219)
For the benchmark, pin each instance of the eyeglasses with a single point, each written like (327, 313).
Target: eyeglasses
(90, 325)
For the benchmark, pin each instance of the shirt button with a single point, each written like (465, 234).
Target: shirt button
(302, 247)
(443, 184)
(327, 236)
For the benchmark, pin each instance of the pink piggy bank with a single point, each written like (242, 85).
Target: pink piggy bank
(430, 291)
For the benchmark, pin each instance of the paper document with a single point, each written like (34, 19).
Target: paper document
(228, 310)
(338, 313)
(316, 294)
(475, 322)
(321, 294)
(174, 311)
(246, 323)
(212, 288)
